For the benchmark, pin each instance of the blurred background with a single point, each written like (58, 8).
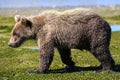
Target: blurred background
(33, 7)
(55, 3)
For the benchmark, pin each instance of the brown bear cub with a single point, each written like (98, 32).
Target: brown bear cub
(71, 29)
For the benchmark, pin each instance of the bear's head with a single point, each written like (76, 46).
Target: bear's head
(22, 31)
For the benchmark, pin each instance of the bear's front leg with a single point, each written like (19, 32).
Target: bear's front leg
(46, 56)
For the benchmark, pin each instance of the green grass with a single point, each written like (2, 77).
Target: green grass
(6, 21)
(113, 19)
(14, 63)
(111, 16)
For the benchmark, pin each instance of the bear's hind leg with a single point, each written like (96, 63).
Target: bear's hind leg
(103, 54)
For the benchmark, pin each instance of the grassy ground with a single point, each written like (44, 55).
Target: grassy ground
(112, 16)
(14, 63)
(113, 19)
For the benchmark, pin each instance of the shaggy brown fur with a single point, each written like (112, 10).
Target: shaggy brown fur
(71, 29)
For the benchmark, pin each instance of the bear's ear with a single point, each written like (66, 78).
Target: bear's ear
(17, 18)
(29, 23)
(26, 22)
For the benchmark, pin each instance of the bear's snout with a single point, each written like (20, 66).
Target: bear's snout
(15, 42)
(12, 45)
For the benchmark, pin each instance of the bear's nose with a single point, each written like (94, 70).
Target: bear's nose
(9, 44)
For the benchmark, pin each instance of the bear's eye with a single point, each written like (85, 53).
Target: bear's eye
(15, 34)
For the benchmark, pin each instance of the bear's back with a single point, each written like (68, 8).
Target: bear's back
(79, 12)
(74, 14)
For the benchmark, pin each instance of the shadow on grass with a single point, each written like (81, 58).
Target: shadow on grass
(80, 69)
